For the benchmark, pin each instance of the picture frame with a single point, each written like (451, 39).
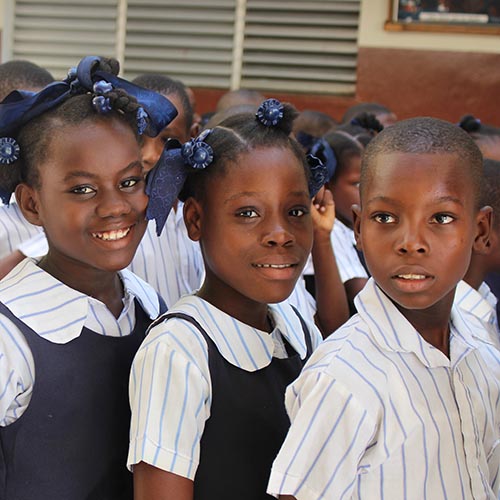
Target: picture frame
(444, 16)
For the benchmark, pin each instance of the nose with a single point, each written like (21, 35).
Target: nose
(113, 203)
(278, 234)
(411, 240)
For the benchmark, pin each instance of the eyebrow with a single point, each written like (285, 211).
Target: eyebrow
(83, 173)
(256, 193)
(391, 201)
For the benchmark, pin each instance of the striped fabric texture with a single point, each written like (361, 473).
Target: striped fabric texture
(378, 413)
(14, 228)
(58, 314)
(170, 387)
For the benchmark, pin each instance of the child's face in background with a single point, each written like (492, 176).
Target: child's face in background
(91, 199)
(418, 226)
(345, 188)
(152, 147)
(255, 229)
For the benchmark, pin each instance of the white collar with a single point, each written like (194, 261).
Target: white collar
(55, 311)
(392, 331)
(476, 302)
(240, 344)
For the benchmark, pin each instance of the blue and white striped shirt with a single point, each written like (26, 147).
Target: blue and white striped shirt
(57, 313)
(14, 228)
(481, 303)
(170, 385)
(378, 413)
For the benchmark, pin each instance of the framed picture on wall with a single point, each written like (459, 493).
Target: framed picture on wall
(463, 16)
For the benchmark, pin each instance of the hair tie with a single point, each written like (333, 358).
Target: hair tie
(100, 102)
(318, 174)
(270, 112)
(197, 153)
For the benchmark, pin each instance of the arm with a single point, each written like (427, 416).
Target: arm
(331, 299)
(9, 262)
(151, 483)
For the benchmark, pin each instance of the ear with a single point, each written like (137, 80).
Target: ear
(356, 217)
(27, 199)
(194, 130)
(193, 213)
(484, 220)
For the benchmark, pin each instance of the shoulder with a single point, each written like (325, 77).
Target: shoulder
(353, 358)
(142, 291)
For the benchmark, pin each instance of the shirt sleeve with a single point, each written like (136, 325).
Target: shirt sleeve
(330, 432)
(36, 246)
(170, 400)
(16, 373)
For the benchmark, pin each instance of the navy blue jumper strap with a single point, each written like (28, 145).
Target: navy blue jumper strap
(71, 443)
(247, 424)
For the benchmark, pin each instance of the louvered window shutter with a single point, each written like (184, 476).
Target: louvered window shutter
(269, 45)
(56, 33)
(191, 40)
(301, 46)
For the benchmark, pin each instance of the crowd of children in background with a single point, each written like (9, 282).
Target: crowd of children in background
(253, 302)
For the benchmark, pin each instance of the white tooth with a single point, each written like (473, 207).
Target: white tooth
(412, 276)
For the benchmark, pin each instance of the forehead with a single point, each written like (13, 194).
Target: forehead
(95, 145)
(264, 170)
(432, 172)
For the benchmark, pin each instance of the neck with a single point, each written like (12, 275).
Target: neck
(101, 285)
(245, 310)
(476, 273)
(433, 323)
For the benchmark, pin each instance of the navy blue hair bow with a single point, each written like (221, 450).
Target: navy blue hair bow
(322, 150)
(20, 107)
(166, 179)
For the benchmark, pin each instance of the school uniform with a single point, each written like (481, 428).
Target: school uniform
(379, 413)
(171, 263)
(64, 366)
(208, 398)
(346, 255)
(481, 303)
(14, 228)
(303, 301)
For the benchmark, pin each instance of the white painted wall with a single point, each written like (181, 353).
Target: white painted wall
(372, 34)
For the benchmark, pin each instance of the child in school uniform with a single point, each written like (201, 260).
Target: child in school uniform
(404, 400)
(473, 293)
(170, 262)
(207, 386)
(71, 322)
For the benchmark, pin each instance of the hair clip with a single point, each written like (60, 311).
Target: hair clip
(9, 150)
(197, 153)
(142, 120)
(318, 174)
(101, 103)
(270, 112)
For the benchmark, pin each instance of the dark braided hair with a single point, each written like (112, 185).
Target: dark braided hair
(35, 137)
(238, 135)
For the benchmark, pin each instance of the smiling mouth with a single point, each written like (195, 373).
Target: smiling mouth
(274, 266)
(115, 235)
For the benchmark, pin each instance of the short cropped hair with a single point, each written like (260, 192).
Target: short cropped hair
(424, 135)
(168, 86)
(22, 75)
